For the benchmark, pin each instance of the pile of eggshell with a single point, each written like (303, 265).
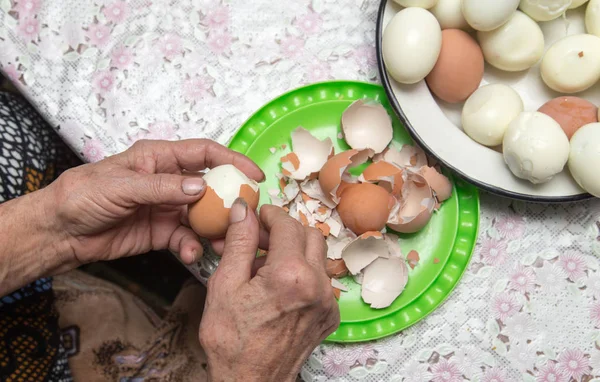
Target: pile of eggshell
(432, 40)
(397, 189)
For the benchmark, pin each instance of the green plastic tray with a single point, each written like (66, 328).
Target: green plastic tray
(445, 245)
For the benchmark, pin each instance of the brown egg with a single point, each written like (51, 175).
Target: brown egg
(365, 207)
(459, 68)
(336, 268)
(571, 113)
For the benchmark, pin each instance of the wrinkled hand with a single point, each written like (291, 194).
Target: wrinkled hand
(136, 201)
(263, 327)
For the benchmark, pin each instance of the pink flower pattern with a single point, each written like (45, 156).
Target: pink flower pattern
(574, 265)
(29, 27)
(121, 57)
(217, 17)
(336, 363)
(522, 279)
(219, 42)
(171, 46)
(309, 23)
(505, 305)
(116, 11)
(99, 34)
(445, 371)
(292, 46)
(595, 314)
(365, 56)
(494, 375)
(550, 373)
(104, 81)
(28, 7)
(510, 226)
(93, 151)
(318, 71)
(362, 354)
(196, 88)
(493, 252)
(573, 363)
(161, 130)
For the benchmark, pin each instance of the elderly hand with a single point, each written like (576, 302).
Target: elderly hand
(263, 327)
(137, 201)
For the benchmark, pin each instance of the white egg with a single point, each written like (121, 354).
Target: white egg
(592, 18)
(411, 45)
(449, 14)
(417, 3)
(535, 147)
(485, 15)
(545, 10)
(584, 158)
(577, 3)
(572, 64)
(488, 112)
(506, 49)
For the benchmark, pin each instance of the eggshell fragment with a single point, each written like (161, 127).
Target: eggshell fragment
(384, 280)
(584, 158)
(365, 207)
(571, 113)
(367, 125)
(413, 258)
(440, 185)
(336, 245)
(333, 177)
(409, 157)
(338, 285)
(416, 208)
(209, 217)
(312, 189)
(364, 250)
(336, 268)
(308, 156)
(385, 174)
(459, 68)
(336, 293)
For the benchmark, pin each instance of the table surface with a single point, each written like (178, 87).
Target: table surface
(108, 72)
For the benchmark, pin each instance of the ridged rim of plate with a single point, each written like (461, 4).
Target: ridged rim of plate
(465, 238)
(415, 135)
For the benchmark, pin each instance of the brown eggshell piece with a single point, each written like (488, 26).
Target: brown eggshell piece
(330, 175)
(365, 207)
(438, 183)
(336, 268)
(388, 175)
(571, 113)
(211, 205)
(459, 68)
(413, 258)
(336, 292)
(416, 208)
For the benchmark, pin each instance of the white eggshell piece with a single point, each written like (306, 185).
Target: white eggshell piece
(334, 225)
(584, 158)
(408, 157)
(577, 3)
(338, 285)
(226, 181)
(393, 245)
(572, 64)
(312, 153)
(592, 18)
(416, 207)
(449, 14)
(485, 15)
(367, 126)
(506, 49)
(277, 198)
(363, 251)
(488, 112)
(291, 190)
(411, 45)
(417, 3)
(312, 188)
(545, 10)
(535, 147)
(384, 280)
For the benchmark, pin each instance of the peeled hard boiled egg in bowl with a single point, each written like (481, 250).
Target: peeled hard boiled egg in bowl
(529, 66)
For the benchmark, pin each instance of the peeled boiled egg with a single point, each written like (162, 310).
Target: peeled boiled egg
(572, 64)
(584, 158)
(449, 14)
(209, 217)
(592, 18)
(417, 3)
(545, 10)
(411, 45)
(535, 147)
(365, 207)
(488, 112)
(459, 68)
(506, 49)
(485, 15)
(577, 3)
(571, 113)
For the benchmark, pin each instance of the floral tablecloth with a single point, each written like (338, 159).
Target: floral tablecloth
(108, 72)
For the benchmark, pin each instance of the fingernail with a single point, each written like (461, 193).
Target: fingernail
(193, 186)
(239, 210)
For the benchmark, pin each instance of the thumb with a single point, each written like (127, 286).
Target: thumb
(241, 243)
(164, 189)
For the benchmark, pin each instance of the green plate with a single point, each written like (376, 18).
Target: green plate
(445, 244)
